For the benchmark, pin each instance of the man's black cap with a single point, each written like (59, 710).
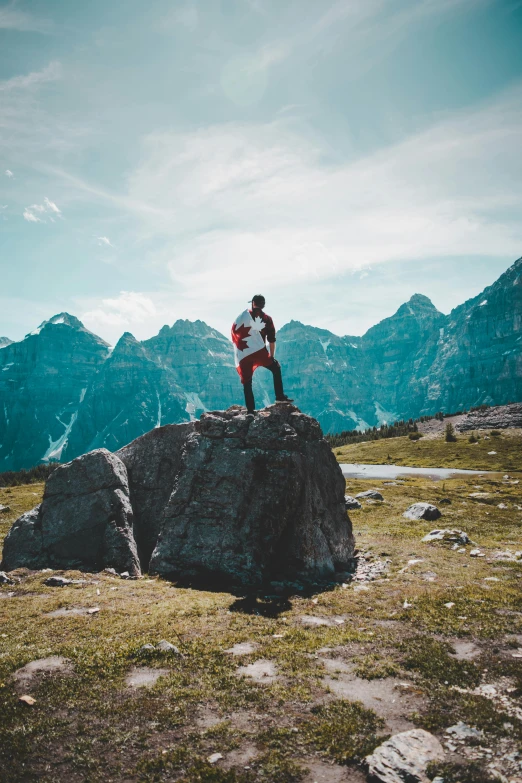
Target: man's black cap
(258, 300)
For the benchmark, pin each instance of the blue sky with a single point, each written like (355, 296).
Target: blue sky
(167, 160)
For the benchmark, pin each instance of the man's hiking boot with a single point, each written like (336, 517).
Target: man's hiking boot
(284, 398)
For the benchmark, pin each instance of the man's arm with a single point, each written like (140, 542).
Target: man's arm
(271, 336)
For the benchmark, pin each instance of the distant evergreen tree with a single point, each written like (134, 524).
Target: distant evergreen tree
(449, 435)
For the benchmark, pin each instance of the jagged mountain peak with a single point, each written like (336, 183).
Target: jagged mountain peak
(297, 326)
(422, 301)
(65, 319)
(5, 341)
(127, 347)
(417, 305)
(502, 287)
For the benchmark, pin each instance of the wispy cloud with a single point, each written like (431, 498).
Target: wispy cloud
(40, 213)
(50, 73)
(104, 241)
(122, 311)
(9, 173)
(13, 19)
(368, 31)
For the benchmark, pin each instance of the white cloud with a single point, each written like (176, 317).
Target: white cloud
(104, 241)
(9, 173)
(47, 209)
(12, 19)
(125, 311)
(50, 206)
(31, 217)
(50, 73)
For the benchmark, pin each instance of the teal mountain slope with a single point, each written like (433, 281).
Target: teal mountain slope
(64, 392)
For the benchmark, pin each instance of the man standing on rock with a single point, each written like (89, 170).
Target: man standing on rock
(250, 331)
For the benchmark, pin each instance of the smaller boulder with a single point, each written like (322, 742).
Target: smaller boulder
(422, 511)
(4, 509)
(146, 648)
(447, 536)
(57, 581)
(370, 494)
(4, 579)
(461, 731)
(167, 647)
(351, 502)
(405, 756)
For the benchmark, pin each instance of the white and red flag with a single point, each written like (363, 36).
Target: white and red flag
(249, 346)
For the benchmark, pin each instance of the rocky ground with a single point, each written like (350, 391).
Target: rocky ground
(283, 686)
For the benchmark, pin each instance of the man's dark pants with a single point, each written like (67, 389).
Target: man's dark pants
(275, 369)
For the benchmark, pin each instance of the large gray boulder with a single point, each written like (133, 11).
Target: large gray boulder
(85, 520)
(230, 498)
(258, 497)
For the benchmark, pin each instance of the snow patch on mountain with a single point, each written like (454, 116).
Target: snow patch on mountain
(158, 421)
(194, 404)
(384, 416)
(54, 452)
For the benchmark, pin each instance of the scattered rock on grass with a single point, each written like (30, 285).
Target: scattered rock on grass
(167, 647)
(405, 757)
(214, 758)
(4, 579)
(368, 570)
(163, 647)
(476, 553)
(507, 555)
(146, 648)
(57, 581)
(351, 502)
(4, 509)
(370, 494)
(314, 620)
(447, 536)
(422, 511)
(461, 731)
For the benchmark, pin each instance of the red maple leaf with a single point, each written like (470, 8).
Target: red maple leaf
(239, 335)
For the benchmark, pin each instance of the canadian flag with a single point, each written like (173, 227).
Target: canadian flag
(249, 347)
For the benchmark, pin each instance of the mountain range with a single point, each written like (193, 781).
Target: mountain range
(65, 391)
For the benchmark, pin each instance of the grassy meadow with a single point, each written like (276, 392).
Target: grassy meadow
(325, 675)
(429, 452)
